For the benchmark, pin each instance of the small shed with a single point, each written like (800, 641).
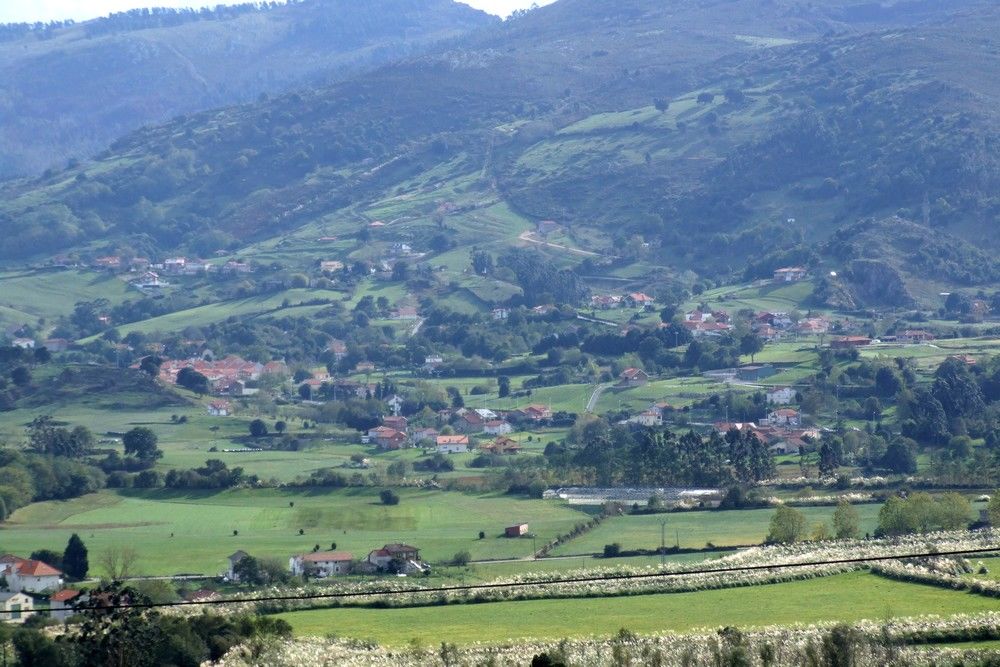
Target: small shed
(517, 530)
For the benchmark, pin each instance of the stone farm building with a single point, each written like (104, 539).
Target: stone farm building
(321, 564)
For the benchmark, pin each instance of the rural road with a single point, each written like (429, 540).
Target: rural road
(596, 396)
(529, 237)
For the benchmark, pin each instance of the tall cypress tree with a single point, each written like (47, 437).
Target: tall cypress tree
(75, 562)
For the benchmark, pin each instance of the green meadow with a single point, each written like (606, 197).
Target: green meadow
(848, 597)
(693, 530)
(193, 532)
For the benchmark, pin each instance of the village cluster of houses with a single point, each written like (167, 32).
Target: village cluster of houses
(26, 578)
(390, 558)
(631, 300)
(228, 376)
(396, 432)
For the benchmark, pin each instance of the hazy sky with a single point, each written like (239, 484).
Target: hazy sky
(16, 11)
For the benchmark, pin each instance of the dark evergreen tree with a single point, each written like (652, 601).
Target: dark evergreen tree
(74, 561)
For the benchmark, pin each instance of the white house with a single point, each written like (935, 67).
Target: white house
(780, 395)
(233, 560)
(31, 576)
(785, 417)
(791, 274)
(24, 343)
(452, 444)
(220, 408)
(321, 564)
(497, 427)
(647, 418)
(18, 607)
(61, 604)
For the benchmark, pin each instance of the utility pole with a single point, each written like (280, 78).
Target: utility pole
(663, 542)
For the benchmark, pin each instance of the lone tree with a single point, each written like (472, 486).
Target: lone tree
(258, 428)
(846, 521)
(389, 497)
(787, 525)
(751, 344)
(74, 560)
(280, 427)
(503, 382)
(141, 442)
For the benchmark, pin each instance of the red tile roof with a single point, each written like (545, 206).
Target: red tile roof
(36, 568)
(64, 595)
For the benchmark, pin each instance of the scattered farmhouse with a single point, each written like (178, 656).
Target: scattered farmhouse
(17, 607)
(401, 558)
(639, 300)
(501, 446)
(497, 427)
(780, 395)
(452, 444)
(321, 564)
(913, 337)
(647, 418)
(784, 417)
(792, 274)
(535, 412)
(29, 576)
(220, 408)
(234, 560)
(62, 603)
(633, 377)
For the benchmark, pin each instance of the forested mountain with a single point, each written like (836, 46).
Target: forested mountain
(722, 133)
(66, 91)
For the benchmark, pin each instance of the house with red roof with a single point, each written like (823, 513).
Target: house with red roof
(639, 300)
(62, 603)
(786, 417)
(29, 576)
(633, 377)
(395, 558)
(321, 564)
(452, 444)
(536, 412)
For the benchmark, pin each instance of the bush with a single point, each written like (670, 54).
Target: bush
(612, 550)
(389, 497)
(461, 559)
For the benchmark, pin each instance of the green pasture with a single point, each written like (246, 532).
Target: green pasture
(848, 597)
(192, 531)
(217, 312)
(694, 530)
(50, 294)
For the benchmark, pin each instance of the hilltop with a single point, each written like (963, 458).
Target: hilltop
(724, 152)
(68, 90)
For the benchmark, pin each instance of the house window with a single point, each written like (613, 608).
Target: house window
(15, 612)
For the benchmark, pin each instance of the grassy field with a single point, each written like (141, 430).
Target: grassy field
(694, 529)
(192, 532)
(849, 597)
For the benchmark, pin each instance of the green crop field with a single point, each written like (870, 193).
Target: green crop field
(695, 529)
(848, 597)
(192, 532)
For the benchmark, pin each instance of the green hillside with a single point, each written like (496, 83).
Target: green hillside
(70, 89)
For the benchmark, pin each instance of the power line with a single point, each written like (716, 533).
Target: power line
(527, 584)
